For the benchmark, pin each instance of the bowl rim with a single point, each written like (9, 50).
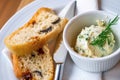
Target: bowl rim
(71, 51)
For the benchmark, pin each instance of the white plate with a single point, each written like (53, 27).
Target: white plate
(21, 17)
(71, 71)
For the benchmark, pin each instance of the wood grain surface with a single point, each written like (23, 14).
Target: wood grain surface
(24, 3)
(9, 7)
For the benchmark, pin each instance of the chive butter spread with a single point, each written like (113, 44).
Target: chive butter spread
(87, 35)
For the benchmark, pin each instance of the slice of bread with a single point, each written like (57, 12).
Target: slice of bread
(35, 66)
(43, 26)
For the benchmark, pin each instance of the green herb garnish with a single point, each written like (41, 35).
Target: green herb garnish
(100, 40)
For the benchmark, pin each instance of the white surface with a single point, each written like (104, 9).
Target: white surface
(86, 5)
(74, 73)
(113, 6)
(71, 71)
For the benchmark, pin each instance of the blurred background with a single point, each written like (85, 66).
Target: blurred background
(9, 7)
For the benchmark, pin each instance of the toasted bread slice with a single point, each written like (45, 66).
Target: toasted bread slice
(35, 66)
(43, 26)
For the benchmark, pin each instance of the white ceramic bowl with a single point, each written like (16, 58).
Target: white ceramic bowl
(74, 27)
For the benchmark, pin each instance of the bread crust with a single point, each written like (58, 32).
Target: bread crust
(38, 42)
(16, 67)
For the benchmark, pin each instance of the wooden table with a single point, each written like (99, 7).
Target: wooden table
(9, 7)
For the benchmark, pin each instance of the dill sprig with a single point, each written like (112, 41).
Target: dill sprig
(100, 40)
